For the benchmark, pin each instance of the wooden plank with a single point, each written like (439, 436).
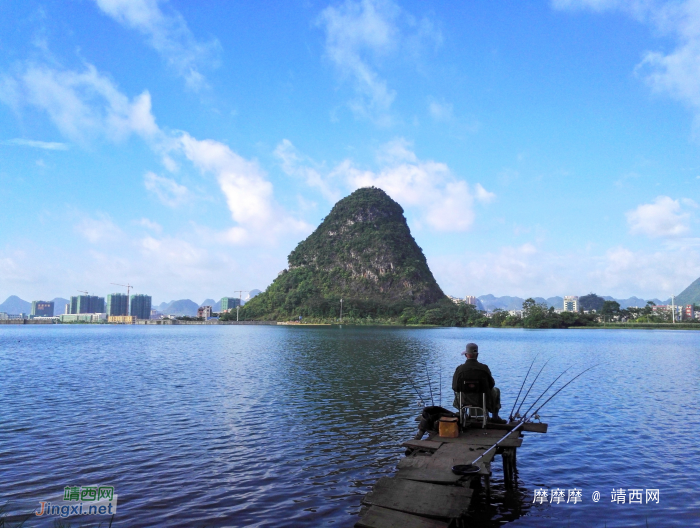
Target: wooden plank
(454, 454)
(427, 469)
(530, 426)
(488, 442)
(377, 517)
(419, 498)
(428, 445)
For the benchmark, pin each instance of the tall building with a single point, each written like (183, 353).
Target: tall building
(140, 306)
(571, 303)
(470, 299)
(42, 308)
(83, 304)
(117, 304)
(688, 312)
(228, 303)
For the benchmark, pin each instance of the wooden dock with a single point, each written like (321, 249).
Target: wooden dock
(425, 493)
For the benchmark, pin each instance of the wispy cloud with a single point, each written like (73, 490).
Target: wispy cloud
(294, 163)
(150, 225)
(82, 104)
(97, 229)
(441, 201)
(248, 192)
(86, 105)
(360, 35)
(46, 145)
(440, 111)
(168, 34)
(168, 191)
(675, 72)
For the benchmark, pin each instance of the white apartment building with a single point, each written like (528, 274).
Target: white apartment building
(571, 303)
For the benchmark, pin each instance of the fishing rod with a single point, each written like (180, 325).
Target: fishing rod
(532, 385)
(471, 469)
(440, 387)
(430, 385)
(545, 391)
(563, 387)
(415, 389)
(510, 418)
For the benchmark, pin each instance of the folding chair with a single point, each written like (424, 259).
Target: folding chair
(473, 386)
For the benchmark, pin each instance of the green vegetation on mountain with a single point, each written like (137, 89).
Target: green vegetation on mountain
(591, 302)
(691, 295)
(363, 252)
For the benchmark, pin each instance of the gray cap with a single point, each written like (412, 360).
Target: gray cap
(472, 348)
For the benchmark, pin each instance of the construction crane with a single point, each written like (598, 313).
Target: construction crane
(128, 289)
(240, 295)
(86, 293)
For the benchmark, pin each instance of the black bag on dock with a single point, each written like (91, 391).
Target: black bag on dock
(431, 415)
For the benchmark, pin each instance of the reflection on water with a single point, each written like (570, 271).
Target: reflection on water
(289, 426)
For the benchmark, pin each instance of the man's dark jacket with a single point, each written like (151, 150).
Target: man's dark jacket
(471, 369)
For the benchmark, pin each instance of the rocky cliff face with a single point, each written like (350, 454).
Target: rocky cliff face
(362, 252)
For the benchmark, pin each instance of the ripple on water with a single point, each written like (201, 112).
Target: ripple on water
(259, 426)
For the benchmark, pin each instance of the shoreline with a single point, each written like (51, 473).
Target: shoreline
(170, 322)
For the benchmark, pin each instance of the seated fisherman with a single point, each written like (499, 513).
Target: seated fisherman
(472, 369)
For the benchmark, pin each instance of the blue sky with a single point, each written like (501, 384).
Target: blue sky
(537, 148)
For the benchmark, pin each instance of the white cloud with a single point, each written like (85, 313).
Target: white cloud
(444, 202)
(662, 218)
(168, 34)
(86, 104)
(80, 104)
(99, 229)
(46, 145)
(653, 274)
(168, 191)
(248, 193)
(528, 270)
(359, 35)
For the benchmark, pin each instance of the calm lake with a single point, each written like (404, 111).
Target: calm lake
(291, 426)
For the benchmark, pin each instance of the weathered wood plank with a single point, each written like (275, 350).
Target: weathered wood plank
(377, 517)
(454, 454)
(420, 498)
(484, 442)
(427, 469)
(530, 426)
(428, 445)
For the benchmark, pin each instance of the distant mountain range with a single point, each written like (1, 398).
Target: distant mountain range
(189, 308)
(491, 302)
(15, 305)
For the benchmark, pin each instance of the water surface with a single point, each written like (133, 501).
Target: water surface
(290, 426)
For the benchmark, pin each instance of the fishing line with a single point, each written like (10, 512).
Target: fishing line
(430, 385)
(545, 391)
(510, 419)
(533, 384)
(563, 387)
(415, 389)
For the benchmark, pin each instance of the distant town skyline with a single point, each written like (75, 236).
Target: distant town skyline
(535, 147)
